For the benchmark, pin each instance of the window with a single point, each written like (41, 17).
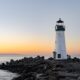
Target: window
(59, 55)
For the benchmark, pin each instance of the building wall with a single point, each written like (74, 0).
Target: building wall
(60, 45)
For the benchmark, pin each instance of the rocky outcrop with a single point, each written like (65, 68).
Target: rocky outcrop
(39, 68)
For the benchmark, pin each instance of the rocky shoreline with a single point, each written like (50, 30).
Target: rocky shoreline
(39, 68)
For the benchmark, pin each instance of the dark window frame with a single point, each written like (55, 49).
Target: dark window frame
(59, 55)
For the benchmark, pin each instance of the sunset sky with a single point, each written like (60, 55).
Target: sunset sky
(28, 26)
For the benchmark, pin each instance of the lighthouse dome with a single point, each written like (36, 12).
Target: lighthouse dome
(60, 21)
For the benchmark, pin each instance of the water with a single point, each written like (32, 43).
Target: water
(8, 57)
(5, 58)
(5, 75)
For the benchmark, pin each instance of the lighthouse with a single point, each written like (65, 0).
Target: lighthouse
(60, 46)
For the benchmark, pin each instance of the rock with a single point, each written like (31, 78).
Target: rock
(78, 78)
(42, 76)
(39, 68)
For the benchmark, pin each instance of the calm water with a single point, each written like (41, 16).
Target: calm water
(4, 58)
(5, 75)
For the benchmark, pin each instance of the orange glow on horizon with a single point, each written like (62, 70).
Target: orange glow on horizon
(33, 46)
(26, 48)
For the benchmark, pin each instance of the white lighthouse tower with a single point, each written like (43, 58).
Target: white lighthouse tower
(60, 47)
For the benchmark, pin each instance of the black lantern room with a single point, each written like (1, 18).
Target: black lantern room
(60, 25)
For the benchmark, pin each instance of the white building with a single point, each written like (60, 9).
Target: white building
(60, 47)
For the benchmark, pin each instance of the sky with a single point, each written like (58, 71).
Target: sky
(28, 26)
